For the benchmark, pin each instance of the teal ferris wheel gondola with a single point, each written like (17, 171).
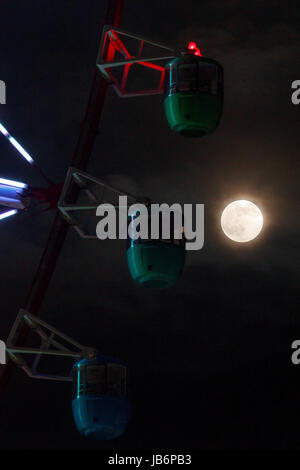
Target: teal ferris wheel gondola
(156, 263)
(100, 404)
(193, 93)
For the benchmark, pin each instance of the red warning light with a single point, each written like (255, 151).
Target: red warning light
(192, 47)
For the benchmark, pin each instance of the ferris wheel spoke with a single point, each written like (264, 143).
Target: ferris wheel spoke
(16, 144)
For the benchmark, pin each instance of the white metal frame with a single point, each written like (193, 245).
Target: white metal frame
(104, 66)
(84, 181)
(47, 333)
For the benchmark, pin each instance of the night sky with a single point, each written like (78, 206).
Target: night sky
(211, 357)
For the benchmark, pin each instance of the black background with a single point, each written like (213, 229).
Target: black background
(210, 358)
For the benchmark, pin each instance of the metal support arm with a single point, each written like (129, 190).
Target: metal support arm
(113, 41)
(47, 333)
(88, 185)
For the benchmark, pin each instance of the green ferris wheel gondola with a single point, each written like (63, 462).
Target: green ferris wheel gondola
(156, 263)
(193, 93)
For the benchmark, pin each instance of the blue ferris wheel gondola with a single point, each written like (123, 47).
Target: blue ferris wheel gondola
(100, 404)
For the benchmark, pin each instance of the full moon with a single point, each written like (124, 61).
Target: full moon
(241, 221)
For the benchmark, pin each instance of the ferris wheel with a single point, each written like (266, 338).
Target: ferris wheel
(192, 86)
